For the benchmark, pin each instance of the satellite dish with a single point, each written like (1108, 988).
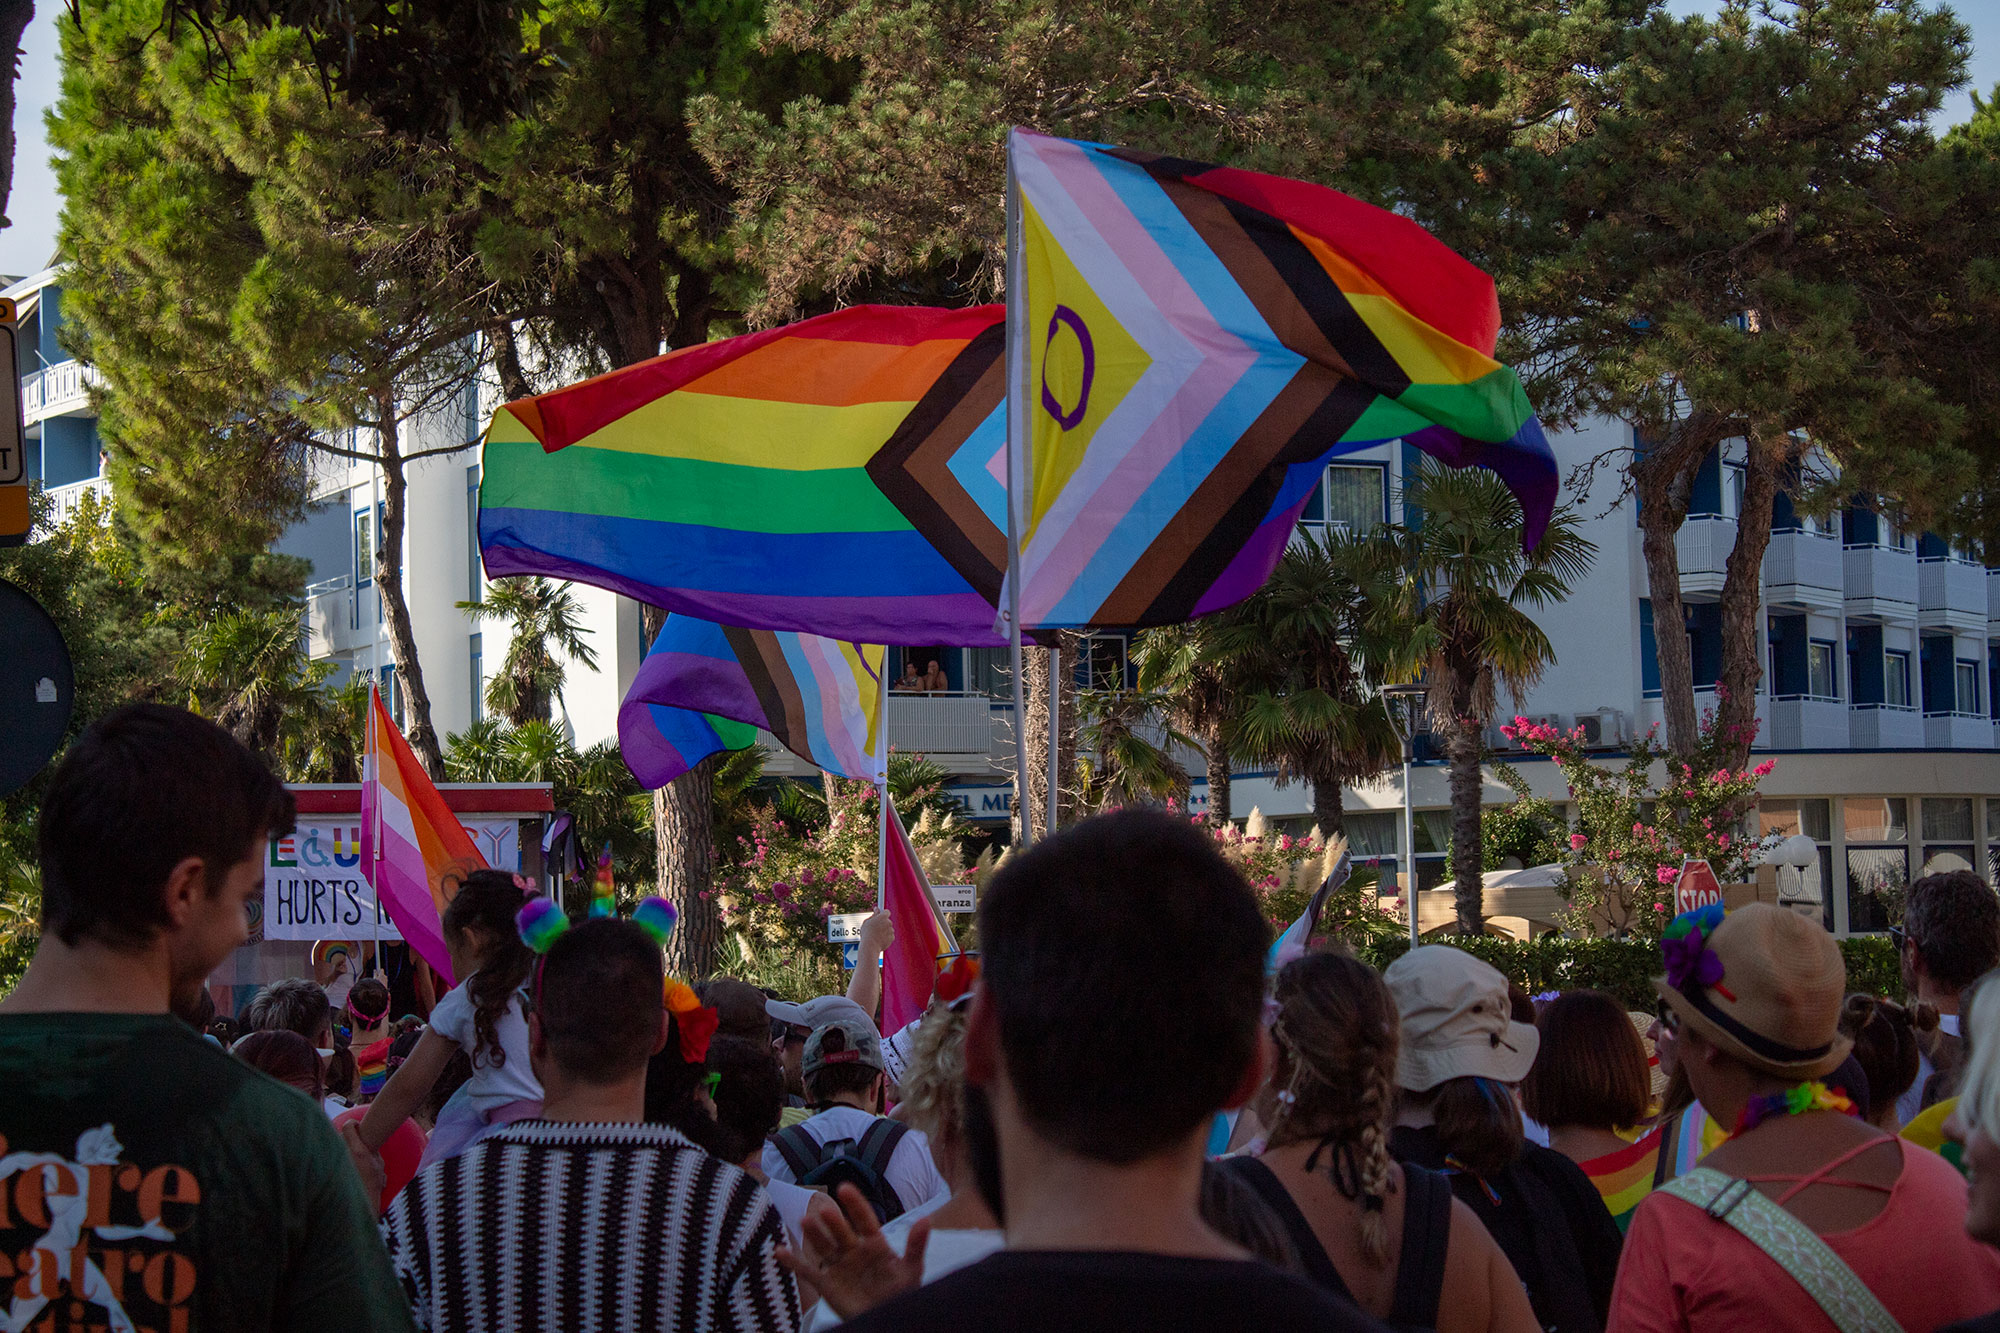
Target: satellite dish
(37, 688)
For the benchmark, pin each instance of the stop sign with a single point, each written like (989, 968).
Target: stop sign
(1697, 887)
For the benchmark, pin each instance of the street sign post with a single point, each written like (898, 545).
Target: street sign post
(1697, 886)
(14, 518)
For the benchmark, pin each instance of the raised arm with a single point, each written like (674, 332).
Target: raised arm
(406, 1089)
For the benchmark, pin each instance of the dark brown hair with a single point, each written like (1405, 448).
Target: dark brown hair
(1885, 1043)
(486, 901)
(1477, 1121)
(1591, 1068)
(1953, 920)
(1337, 1033)
(285, 1056)
(368, 1001)
(600, 999)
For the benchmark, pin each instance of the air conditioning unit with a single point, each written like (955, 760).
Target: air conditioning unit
(1602, 729)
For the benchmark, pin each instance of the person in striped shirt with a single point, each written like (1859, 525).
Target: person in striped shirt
(586, 1217)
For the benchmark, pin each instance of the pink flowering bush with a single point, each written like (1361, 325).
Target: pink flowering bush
(1285, 871)
(1633, 830)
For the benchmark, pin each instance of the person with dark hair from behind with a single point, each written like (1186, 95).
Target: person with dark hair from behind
(1887, 1046)
(1389, 1237)
(1119, 1009)
(368, 1005)
(484, 1015)
(286, 1057)
(1590, 1085)
(1462, 1054)
(1950, 937)
(587, 1217)
(152, 842)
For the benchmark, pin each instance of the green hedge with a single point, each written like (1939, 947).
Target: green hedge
(1625, 968)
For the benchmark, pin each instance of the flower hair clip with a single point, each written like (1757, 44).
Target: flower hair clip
(694, 1022)
(1690, 962)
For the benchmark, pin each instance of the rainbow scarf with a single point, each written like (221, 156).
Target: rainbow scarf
(1625, 1177)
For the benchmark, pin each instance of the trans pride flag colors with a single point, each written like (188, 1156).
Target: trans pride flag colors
(409, 838)
(1191, 344)
(842, 476)
(706, 687)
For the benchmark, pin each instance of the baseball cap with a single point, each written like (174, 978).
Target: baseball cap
(843, 1041)
(818, 1011)
(1457, 1020)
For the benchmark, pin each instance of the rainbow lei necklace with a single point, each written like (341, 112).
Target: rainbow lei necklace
(1794, 1101)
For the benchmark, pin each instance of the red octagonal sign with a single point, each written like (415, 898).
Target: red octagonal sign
(1697, 887)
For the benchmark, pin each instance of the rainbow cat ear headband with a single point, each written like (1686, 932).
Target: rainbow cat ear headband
(540, 921)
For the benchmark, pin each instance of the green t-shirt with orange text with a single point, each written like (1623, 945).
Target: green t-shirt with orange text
(148, 1181)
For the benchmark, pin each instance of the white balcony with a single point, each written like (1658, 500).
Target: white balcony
(1880, 582)
(1703, 545)
(336, 620)
(1993, 603)
(956, 725)
(1885, 727)
(1804, 569)
(66, 500)
(1803, 722)
(1653, 714)
(60, 390)
(1957, 731)
(1952, 594)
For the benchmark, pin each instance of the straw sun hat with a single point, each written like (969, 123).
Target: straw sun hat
(1762, 983)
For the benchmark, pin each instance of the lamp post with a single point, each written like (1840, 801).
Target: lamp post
(1402, 703)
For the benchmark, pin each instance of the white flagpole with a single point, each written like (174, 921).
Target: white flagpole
(882, 814)
(1017, 463)
(372, 773)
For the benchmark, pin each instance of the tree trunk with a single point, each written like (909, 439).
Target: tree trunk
(684, 841)
(1035, 782)
(514, 384)
(15, 15)
(389, 583)
(1329, 808)
(1217, 753)
(1658, 522)
(1069, 803)
(1742, 599)
(1467, 849)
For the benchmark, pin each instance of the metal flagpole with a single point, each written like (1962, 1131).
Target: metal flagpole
(1017, 463)
(1055, 750)
(373, 774)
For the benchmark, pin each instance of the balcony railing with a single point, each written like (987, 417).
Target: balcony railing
(1803, 569)
(1703, 545)
(1881, 582)
(55, 390)
(1951, 594)
(64, 501)
(959, 722)
(1885, 727)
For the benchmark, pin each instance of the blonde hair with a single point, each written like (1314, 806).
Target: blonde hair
(1338, 1029)
(933, 1084)
(1979, 1085)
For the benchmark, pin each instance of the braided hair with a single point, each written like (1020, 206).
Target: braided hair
(1337, 1034)
(486, 901)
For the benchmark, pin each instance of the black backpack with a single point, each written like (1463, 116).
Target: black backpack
(862, 1163)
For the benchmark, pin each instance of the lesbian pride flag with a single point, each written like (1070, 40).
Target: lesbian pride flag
(409, 838)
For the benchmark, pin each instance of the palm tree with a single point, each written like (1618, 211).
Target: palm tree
(1465, 588)
(546, 622)
(1130, 766)
(1182, 667)
(324, 736)
(249, 671)
(1300, 656)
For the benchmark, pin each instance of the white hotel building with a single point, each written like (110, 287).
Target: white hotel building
(1878, 700)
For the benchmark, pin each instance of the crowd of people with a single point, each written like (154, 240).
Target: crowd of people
(1121, 1114)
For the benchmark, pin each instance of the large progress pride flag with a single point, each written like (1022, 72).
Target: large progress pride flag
(420, 838)
(843, 476)
(1191, 344)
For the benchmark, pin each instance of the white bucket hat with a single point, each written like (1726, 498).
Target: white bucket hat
(1457, 1020)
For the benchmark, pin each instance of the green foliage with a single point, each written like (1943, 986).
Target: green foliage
(1632, 835)
(1120, 763)
(1528, 829)
(592, 784)
(1285, 871)
(1624, 968)
(544, 624)
(20, 907)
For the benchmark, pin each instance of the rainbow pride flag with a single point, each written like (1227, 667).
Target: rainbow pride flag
(409, 838)
(1191, 344)
(706, 687)
(842, 476)
(1625, 1177)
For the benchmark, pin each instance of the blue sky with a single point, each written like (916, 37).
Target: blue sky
(26, 246)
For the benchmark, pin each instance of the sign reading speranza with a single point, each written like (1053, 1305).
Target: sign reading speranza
(314, 888)
(1697, 887)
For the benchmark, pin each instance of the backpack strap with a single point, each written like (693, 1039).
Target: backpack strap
(1790, 1244)
(878, 1144)
(799, 1149)
(1312, 1255)
(1427, 1200)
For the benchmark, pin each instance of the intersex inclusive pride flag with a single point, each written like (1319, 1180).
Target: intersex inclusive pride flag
(1190, 344)
(842, 476)
(706, 687)
(420, 839)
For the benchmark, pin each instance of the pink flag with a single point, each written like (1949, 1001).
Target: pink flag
(910, 968)
(409, 838)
